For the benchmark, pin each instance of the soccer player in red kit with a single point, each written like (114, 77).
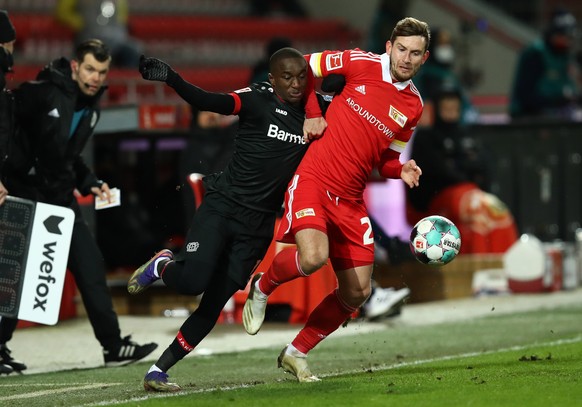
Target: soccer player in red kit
(369, 124)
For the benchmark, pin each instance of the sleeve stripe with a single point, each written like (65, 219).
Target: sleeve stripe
(237, 103)
(398, 146)
(315, 63)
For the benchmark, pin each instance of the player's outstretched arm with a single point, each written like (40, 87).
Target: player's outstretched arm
(153, 69)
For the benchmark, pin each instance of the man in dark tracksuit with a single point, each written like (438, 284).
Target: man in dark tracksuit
(7, 38)
(233, 227)
(55, 116)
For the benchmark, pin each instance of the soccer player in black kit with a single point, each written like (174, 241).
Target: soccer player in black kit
(233, 228)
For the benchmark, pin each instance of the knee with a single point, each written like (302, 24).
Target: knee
(312, 260)
(355, 296)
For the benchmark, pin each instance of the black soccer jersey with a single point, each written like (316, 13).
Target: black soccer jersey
(268, 148)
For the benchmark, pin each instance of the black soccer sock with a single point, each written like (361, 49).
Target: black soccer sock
(172, 355)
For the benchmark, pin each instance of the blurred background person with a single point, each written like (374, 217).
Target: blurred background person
(455, 180)
(439, 71)
(387, 14)
(208, 150)
(545, 84)
(106, 20)
(278, 8)
(260, 71)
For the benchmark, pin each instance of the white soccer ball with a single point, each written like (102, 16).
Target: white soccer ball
(435, 240)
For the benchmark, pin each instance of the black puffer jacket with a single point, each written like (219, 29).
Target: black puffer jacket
(48, 165)
(6, 121)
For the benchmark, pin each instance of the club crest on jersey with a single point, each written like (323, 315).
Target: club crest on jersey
(305, 212)
(397, 116)
(192, 247)
(334, 61)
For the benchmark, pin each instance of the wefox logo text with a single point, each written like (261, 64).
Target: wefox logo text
(45, 279)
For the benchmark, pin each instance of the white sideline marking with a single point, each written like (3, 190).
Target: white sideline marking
(462, 356)
(79, 386)
(377, 368)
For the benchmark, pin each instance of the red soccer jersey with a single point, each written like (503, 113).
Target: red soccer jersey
(371, 114)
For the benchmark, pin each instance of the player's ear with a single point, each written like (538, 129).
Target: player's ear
(425, 56)
(271, 79)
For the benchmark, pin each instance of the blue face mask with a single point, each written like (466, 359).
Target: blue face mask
(6, 60)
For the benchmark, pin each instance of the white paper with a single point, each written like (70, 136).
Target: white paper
(115, 200)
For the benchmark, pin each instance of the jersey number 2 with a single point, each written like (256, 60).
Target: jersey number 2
(368, 237)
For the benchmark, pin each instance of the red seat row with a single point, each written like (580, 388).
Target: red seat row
(147, 27)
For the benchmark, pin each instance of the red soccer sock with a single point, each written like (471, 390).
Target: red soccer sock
(285, 267)
(324, 319)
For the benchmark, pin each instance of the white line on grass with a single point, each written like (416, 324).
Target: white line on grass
(376, 368)
(55, 391)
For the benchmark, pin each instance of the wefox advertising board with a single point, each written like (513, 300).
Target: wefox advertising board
(34, 247)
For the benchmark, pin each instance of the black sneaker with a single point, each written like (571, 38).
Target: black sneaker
(7, 360)
(5, 369)
(127, 352)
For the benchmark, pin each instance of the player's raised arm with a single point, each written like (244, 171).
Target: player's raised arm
(153, 69)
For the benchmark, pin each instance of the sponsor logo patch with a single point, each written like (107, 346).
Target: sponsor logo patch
(305, 212)
(279, 134)
(397, 116)
(243, 90)
(361, 89)
(333, 61)
(185, 345)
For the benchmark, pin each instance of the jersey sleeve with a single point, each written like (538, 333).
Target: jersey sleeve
(322, 64)
(214, 102)
(250, 101)
(328, 62)
(390, 165)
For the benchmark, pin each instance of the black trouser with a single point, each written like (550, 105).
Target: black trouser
(87, 265)
(224, 245)
(88, 268)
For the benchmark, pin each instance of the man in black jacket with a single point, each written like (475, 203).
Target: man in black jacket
(7, 38)
(55, 116)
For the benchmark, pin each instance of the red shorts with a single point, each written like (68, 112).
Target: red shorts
(349, 230)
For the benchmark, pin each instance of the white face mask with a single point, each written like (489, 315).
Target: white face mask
(444, 54)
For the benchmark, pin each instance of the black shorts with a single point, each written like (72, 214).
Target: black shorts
(225, 236)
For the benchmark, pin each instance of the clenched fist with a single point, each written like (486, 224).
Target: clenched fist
(153, 69)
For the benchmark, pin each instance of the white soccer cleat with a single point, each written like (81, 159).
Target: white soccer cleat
(254, 310)
(297, 366)
(385, 302)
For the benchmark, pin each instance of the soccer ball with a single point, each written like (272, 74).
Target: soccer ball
(435, 240)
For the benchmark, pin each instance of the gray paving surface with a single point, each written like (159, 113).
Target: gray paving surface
(71, 344)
